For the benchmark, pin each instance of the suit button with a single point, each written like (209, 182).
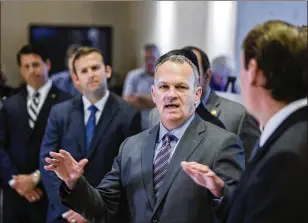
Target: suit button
(155, 221)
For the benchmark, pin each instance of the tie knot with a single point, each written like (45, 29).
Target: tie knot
(37, 94)
(169, 137)
(93, 109)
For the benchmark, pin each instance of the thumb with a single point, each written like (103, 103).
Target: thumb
(82, 163)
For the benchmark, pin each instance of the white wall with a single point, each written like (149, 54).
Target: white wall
(15, 17)
(175, 24)
(251, 13)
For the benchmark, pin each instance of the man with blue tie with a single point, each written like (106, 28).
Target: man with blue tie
(90, 126)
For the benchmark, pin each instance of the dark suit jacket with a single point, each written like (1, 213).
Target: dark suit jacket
(235, 118)
(19, 144)
(130, 183)
(65, 130)
(273, 188)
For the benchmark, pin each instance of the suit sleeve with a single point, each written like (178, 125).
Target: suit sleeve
(249, 133)
(51, 142)
(106, 203)
(7, 167)
(229, 165)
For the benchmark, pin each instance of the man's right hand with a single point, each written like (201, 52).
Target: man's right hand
(66, 167)
(34, 195)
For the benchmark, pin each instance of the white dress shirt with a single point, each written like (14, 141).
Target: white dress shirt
(275, 121)
(99, 105)
(44, 90)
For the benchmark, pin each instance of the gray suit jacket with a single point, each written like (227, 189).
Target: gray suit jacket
(127, 191)
(236, 119)
(233, 115)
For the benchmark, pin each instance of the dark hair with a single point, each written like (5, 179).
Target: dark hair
(32, 49)
(204, 58)
(278, 49)
(84, 51)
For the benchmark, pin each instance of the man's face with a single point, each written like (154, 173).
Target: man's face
(91, 73)
(174, 93)
(150, 58)
(34, 70)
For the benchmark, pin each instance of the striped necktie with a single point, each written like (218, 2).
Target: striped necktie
(161, 162)
(33, 110)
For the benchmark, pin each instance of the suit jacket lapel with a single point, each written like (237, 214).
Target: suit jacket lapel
(50, 100)
(77, 121)
(187, 145)
(42, 117)
(299, 115)
(213, 104)
(147, 157)
(23, 112)
(110, 110)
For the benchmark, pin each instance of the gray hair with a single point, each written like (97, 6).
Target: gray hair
(180, 59)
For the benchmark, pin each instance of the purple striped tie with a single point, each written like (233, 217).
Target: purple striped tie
(161, 162)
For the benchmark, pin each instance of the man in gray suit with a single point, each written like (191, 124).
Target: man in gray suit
(146, 183)
(233, 115)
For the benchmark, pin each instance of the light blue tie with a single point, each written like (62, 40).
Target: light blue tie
(90, 127)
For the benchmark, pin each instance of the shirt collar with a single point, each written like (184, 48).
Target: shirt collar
(99, 104)
(42, 90)
(279, 117)
(178, 132)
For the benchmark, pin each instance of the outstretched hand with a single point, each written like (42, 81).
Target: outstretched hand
(66, 167)
(204, 176)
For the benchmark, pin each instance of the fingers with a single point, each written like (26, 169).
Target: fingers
(201, 168)
(58, 156)
(70, 216)
(54, 164)
(33, 196)
(65, 154)
(52, 161)
(82, 163)
(188, 163)
(189, 171)
(50, 167)
(38, 191)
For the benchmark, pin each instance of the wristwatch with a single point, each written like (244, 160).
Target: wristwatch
(36, 176)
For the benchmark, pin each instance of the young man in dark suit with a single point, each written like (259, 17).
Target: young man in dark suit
(273, 188)
(92, 125)
(23, 118)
